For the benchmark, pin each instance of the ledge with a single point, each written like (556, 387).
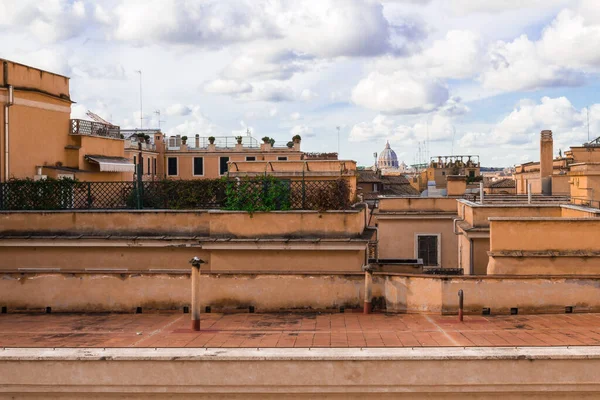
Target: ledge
(309, 354)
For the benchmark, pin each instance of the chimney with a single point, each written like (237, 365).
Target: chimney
(546, 162)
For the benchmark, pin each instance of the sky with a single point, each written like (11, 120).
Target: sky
(434, 77)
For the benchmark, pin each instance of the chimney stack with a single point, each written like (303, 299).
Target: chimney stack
(546, 162)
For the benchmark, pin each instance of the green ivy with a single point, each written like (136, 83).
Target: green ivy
(265, 193)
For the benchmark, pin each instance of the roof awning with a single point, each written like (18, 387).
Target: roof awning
(112, 164)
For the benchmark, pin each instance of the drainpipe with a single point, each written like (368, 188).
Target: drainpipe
(196, 262)
(368, 289)
(528, 193)
(456, 232)
(6, 125)
(481, 192)
(471, 267)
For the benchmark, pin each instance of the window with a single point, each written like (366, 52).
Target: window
(443, 172)
(149, 170)
(284, 158)
(198, 166)
(472, 174)
(428, 249)
(223, 165)
(172, 166)
(250, 158)
(154, 166)
(375, 187)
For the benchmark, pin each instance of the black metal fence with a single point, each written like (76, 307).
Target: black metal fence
(264, 194)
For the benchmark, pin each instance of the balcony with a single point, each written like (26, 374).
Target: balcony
(89, 128)
(221, 142)
(133, 144)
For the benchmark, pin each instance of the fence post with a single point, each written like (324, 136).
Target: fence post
(89, 195)
(303, 192)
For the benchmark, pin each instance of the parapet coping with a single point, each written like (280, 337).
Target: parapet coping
(200, 239)
(581, 208)
(169, 211)
(545, 204)
(561, 219)
(304, 354)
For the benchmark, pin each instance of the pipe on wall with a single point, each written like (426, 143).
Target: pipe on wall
(9, 103)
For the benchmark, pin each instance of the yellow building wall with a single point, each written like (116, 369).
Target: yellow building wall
(37, 135)
(195, 223)
(397, 238)
(544, 246)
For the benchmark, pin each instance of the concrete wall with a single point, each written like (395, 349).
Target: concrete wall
(544, 246)
(397, 238)
(195, 223)
(416, 294)
(413, 204)
(437, 373)
(123, 292)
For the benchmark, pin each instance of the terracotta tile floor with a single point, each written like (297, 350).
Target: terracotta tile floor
(295, 330)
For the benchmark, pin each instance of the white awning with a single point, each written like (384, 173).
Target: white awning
(112, 164)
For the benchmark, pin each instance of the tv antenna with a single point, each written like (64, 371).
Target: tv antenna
(157, 112)
(139, 71)
(338, 139)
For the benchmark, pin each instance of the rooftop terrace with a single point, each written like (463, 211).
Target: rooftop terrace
(296, 330)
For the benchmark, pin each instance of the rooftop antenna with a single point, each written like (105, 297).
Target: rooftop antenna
(157, 112)
(588, 122)
(139, 71)
(338, 138)
(248, 132)
(453, 135)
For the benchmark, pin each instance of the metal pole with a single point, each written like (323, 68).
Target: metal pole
(460, 305)
(368, 292)
(141, 112)
(481, 192)
(196, 262)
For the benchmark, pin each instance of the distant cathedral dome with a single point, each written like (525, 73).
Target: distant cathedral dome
(387, 159)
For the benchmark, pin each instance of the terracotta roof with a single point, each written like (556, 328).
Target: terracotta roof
(367, 176)
(502, 183)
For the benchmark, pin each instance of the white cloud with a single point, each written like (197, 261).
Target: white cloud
(271, 91)
(307, 95)
(440, 128)
(231, 87)
(197, 124)
(399, 93)
(518, 65)
(206, 23)
(459, 55)
(523, 125)
(302, 130)
(295, 116)
(178, 110)
(48, 21)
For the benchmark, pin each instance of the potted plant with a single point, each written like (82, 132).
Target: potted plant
(140, 136)
(266, 140)
(272, 142)
(147, 138)
(290, 145)
(239, 139)
(211, 139)
(184, 139)
(296, 138)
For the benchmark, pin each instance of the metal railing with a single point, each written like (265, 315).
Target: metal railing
(220, 142)
(232, 194)
(585, 202)
(89, 128)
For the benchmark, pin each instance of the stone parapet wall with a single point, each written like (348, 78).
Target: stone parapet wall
(273, 292)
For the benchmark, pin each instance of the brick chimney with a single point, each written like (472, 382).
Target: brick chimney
(546, 162)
